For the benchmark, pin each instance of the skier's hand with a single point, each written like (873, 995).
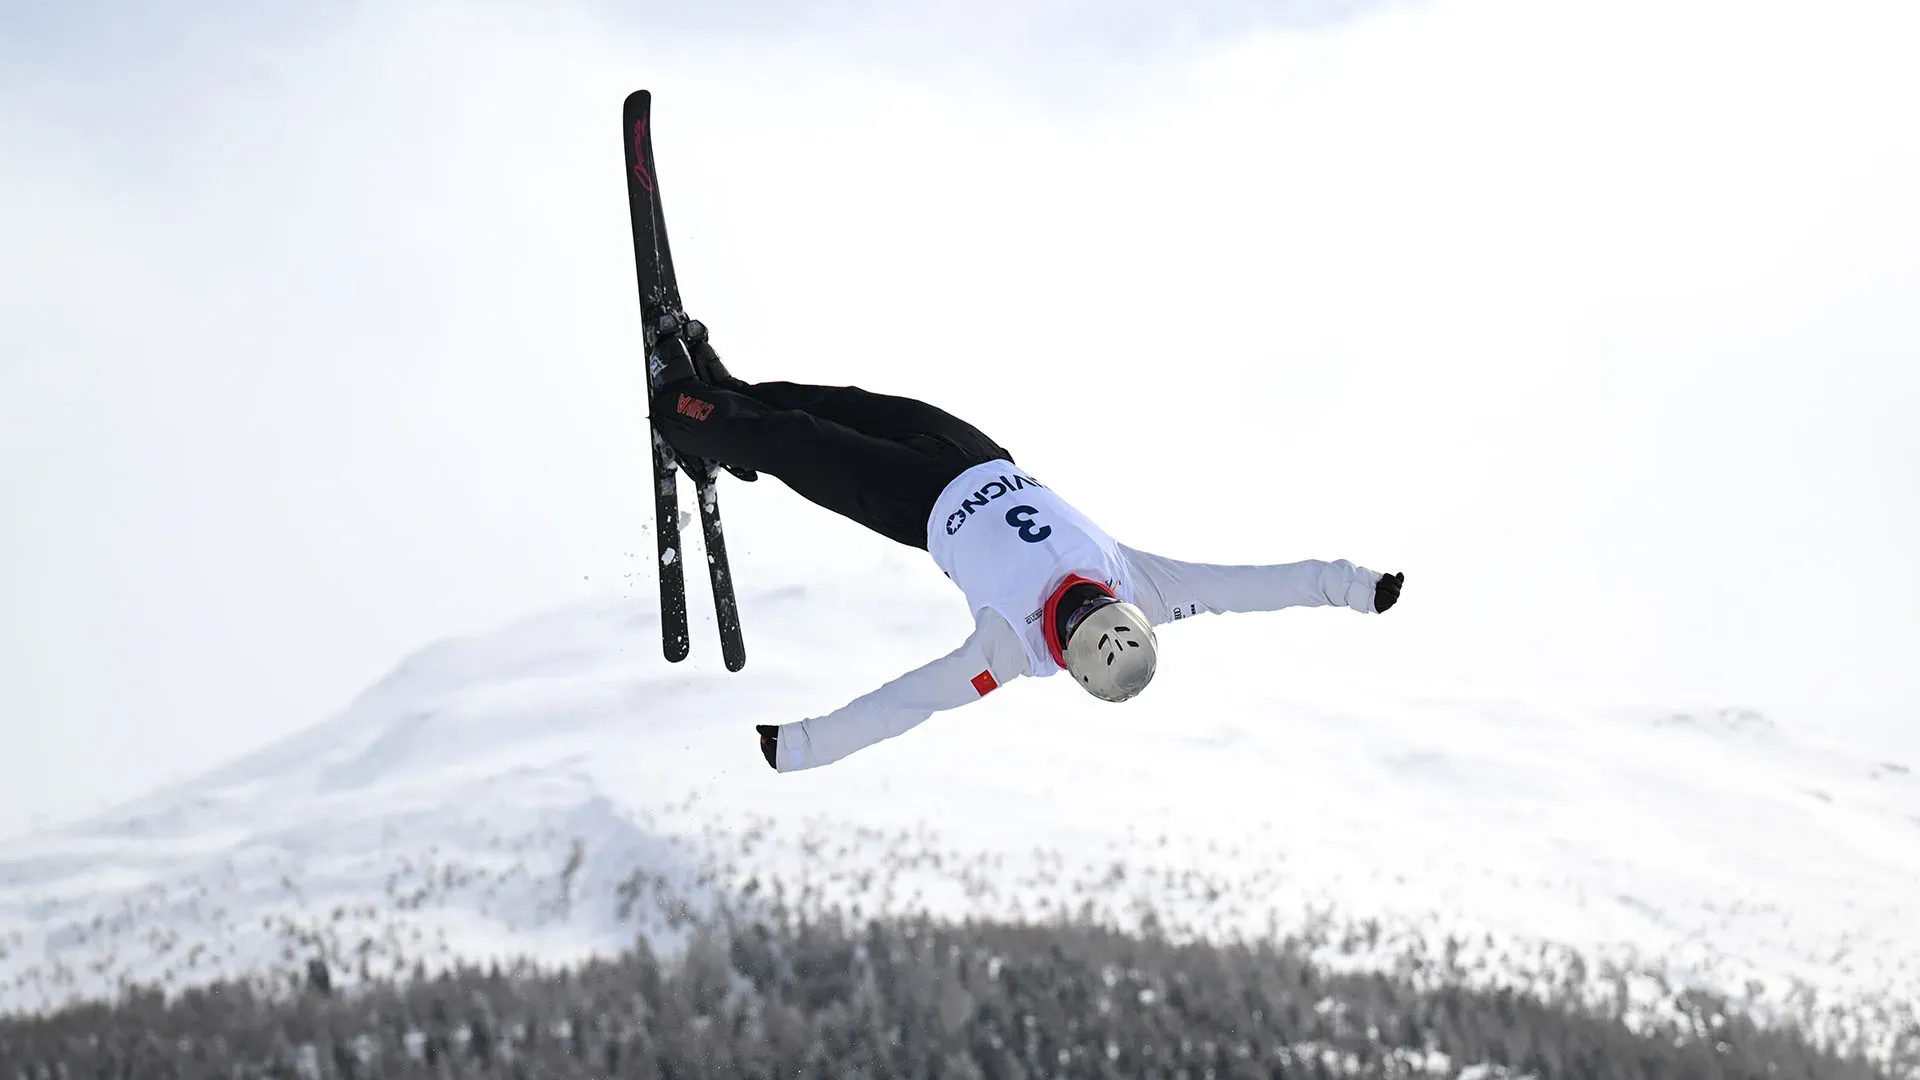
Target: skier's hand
(769, 743)
(1386, 591)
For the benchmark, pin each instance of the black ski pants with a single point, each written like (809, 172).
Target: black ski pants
(879, 460)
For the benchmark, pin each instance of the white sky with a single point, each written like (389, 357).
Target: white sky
(318, 338)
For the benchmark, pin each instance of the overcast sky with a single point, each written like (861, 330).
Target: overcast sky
(318, 338)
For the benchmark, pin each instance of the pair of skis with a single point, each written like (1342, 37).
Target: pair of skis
(661, 312)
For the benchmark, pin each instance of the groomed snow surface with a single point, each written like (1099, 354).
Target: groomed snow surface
(556, 787)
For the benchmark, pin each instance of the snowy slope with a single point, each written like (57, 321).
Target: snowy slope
(555, 787)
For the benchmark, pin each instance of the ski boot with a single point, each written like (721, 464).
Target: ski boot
(681, 352)
(670, 361)
(706, 363)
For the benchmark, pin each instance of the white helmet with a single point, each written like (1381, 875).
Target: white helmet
(1111, 649)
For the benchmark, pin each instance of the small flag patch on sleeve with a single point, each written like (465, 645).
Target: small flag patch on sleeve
(985, 683)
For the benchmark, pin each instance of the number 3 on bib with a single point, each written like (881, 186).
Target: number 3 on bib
(1021, 517)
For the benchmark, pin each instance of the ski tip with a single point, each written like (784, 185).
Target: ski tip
(639, 99)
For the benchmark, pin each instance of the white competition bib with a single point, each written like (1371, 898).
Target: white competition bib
(1007, 541)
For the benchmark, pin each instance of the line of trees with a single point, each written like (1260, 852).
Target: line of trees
(834, 997)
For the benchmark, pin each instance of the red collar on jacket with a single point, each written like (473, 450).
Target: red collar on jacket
(1049, 615)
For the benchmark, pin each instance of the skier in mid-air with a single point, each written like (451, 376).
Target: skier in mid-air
(1049, 589)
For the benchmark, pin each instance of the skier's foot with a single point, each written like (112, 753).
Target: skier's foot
(669, 362)
(680, 399)
(708, 369)
(706, 363)
(769, 742)
(673, 360)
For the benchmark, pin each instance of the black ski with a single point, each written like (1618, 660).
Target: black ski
(726, 609)
(666, 529)
(660, 309)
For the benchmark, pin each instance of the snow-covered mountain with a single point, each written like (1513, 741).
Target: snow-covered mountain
(555, 787)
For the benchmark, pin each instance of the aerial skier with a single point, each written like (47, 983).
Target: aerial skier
(1049, 589)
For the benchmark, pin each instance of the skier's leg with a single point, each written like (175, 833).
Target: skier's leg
(882, 415)
(884, 484)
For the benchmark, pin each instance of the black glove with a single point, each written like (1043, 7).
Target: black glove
(1387, 591)
(769, 742)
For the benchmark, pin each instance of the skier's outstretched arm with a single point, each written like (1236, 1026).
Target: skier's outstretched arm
(991, 656)
(1168, 589)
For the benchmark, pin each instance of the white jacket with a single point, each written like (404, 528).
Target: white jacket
(997, 653)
